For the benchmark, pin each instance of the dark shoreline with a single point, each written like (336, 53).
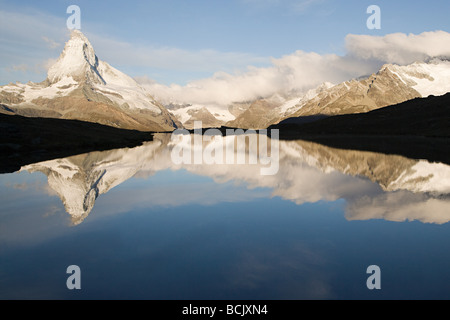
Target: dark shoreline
(418, 147)
(26, 140)
(432, 149)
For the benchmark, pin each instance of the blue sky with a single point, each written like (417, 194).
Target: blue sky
(186, 40)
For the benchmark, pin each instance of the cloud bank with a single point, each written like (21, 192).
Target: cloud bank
(302, 71)
(399, 48)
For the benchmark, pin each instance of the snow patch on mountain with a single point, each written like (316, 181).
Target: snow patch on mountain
(432, 78)
(221, 114)
(291, 106)
(183, 114)
(30, 91)
(424, 177)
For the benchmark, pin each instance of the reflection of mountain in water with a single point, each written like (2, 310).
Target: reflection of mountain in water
(80, 179)
(405, 189)
(391, 172)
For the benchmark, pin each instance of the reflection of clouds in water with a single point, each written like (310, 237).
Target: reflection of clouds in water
(35, 186)
(308, 172)
(31, 218)
(51, 211)
(292, 273)
(201, 193)
(295, 181)
(21, 186)
(400, 206)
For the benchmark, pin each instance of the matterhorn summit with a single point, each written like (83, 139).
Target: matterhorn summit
(80, 86)
(77, 60)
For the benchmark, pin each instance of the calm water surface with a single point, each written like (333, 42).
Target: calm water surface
(141, 227)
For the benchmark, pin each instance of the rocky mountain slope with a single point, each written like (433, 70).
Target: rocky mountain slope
(391, 85)
(82, 87)
(188, 115)
(210, 116)
(262, 113)
(428, 117)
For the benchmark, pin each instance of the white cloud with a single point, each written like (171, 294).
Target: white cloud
(292, 6)
(399, 47)
(19, 67)
(38, 68)
(302, 6)
(296, 72)
(52, 44)
(301, 70)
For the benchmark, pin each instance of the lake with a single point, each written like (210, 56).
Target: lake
(140, 225)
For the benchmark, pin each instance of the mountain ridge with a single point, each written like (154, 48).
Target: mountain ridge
(390, 85)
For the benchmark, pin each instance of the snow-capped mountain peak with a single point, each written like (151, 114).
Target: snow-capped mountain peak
(78, 60)
(427, 78)
(81, 86)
